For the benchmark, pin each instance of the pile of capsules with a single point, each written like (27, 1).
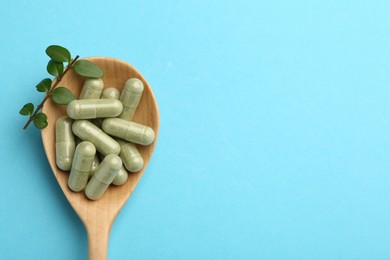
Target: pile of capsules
(86, 136)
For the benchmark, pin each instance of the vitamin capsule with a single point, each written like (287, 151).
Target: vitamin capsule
(82, 164)
(122, 175)
(110, 93)
(95, 165)
(94, 108)
(103, 177)
(92, 89)
(65, 143)
(130, 97)
(130, 156)
(129, 131)
(89, 132)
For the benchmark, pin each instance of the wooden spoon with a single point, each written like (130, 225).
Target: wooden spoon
(99, 215)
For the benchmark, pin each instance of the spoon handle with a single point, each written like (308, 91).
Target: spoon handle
(98, 236)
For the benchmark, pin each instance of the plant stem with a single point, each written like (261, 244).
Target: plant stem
(48, 94)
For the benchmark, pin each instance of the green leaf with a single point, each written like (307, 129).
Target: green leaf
(44, 85)
(40, 122)
(87, 69)
(62, 96)
(41, 116)
(27, 109)
(55, 68)
(58, 53)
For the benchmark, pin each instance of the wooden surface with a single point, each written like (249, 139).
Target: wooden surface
(99, 215)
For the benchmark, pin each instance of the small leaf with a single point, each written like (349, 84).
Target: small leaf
(62, 96)
(58, 53)
(40, 122)
(55, 68)
(87, 69)
(27, 109)
(41, 116)
(44, 85)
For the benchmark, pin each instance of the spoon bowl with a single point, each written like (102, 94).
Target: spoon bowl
(98, 216)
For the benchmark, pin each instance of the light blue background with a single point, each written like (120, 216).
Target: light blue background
(275, 128)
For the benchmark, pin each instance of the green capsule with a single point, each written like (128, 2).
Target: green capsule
(130, 97)
(92, 89)
(65, 143)
(82, 164)
(94, 108)
(89, 132)
(130, 156)
(103, 177)
(95, 165)
(129, 131)
(121, 177)
(110, 93)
